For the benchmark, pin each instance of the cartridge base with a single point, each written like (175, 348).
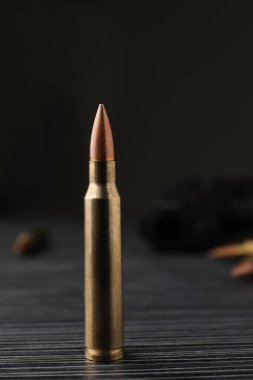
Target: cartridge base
(104, 355)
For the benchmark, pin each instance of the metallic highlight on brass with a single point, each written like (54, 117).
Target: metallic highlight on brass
(103, 267)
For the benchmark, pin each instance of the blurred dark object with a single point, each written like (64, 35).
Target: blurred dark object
(30, 242)
(195, 215)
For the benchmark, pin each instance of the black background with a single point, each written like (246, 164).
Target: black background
(175, 77)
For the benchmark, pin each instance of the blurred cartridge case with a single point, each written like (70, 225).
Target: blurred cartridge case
(103, 268)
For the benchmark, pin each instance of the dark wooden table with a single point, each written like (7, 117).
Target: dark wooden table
(184, 317)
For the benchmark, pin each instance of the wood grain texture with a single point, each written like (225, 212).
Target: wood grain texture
(184, 318)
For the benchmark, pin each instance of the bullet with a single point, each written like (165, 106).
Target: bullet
(232, 250)
(243, 269)
(29, 242)
(103, 267)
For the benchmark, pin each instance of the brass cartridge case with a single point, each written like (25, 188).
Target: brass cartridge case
(103, 267)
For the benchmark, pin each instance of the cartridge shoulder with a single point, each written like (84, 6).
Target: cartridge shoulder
(102, 191)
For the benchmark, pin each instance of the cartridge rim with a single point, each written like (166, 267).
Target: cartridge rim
(104, 355)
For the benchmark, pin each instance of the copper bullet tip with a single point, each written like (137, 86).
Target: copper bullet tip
(232, 250)
(225, 251)
(101, 145)
(243, 269)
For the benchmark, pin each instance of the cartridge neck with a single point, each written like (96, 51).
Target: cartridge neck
(102, 172)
